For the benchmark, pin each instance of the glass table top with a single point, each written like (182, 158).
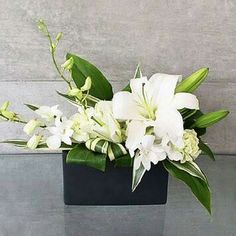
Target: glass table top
(31, 203)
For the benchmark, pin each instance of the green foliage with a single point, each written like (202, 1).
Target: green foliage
(137, 176)
(194, 179)
(32, 107)
(82, 69)
(205, 149)
(83, 156)
(124, 161)
(137, 74)
(209, 119)
(192, 82)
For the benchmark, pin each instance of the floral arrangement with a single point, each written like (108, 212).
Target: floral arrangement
(150, 121)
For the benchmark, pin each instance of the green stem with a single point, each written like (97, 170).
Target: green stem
(54, 59)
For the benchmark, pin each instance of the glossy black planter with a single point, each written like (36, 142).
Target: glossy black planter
(88, 186)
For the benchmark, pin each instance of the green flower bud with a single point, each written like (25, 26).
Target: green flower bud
(42, 27)
(31, 126)
(9, 115)
(34, 141)
(87, 85)
(68, 64)
(59, 36)
(5, 105)
(193, 81)
(209, 119)
(75, 92)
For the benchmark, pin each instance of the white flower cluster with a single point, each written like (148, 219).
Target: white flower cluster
(54, 128)
(155, 128)
(147, 120)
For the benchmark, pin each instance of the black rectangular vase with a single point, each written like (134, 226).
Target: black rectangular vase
(88, 186)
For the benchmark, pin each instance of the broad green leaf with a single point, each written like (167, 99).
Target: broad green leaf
(124, 161)
(206, 149)
(190, 167)
(82, 156)
(32, 107)
(101, 88)
(137, 74)
(199, 187)
(192, 82)
(137, 176)
(209, 119)
(116, 150)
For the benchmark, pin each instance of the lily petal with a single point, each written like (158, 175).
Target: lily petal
(135, 132)
(165, 87)
(124, 107)
(136, 85)
(185, 100)
(169, 125)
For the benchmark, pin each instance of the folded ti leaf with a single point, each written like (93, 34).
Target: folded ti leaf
(81, 69)
(137, 176)
(192, 82)
(81, 155)
(113, 150)
(197, 182)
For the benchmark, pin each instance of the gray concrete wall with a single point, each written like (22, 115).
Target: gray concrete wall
(164, 36)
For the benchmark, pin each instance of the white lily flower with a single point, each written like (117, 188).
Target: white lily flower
(106, 125)
(31, 126)
(61, 132)
(155, 100)
(49, 113)
(34, 141)
(148, 152)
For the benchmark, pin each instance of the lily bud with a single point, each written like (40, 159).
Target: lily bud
(59, 36)
(209, 119)
(68, 64)
(31, 126)
(87, 84)
(34, 141)
(192, 82)
(75, 93)
(5, 105)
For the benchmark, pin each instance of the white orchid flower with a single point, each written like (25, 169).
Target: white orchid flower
(148, 152)
(34, 141)
(154, 100)
(61, 132)
(82, 124)
(106, 125)
(48, 113)
(31, 126)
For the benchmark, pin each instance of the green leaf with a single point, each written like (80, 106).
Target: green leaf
(209, 119)
(190, 167)
(32, 107)
(137, 74)
(187, 113)
(42, 146)
(137, 176)
(206, 149)
(124, 161)
(82, 156)
(199, 187)
(101, 88)
(192, 82)
(68, 98)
